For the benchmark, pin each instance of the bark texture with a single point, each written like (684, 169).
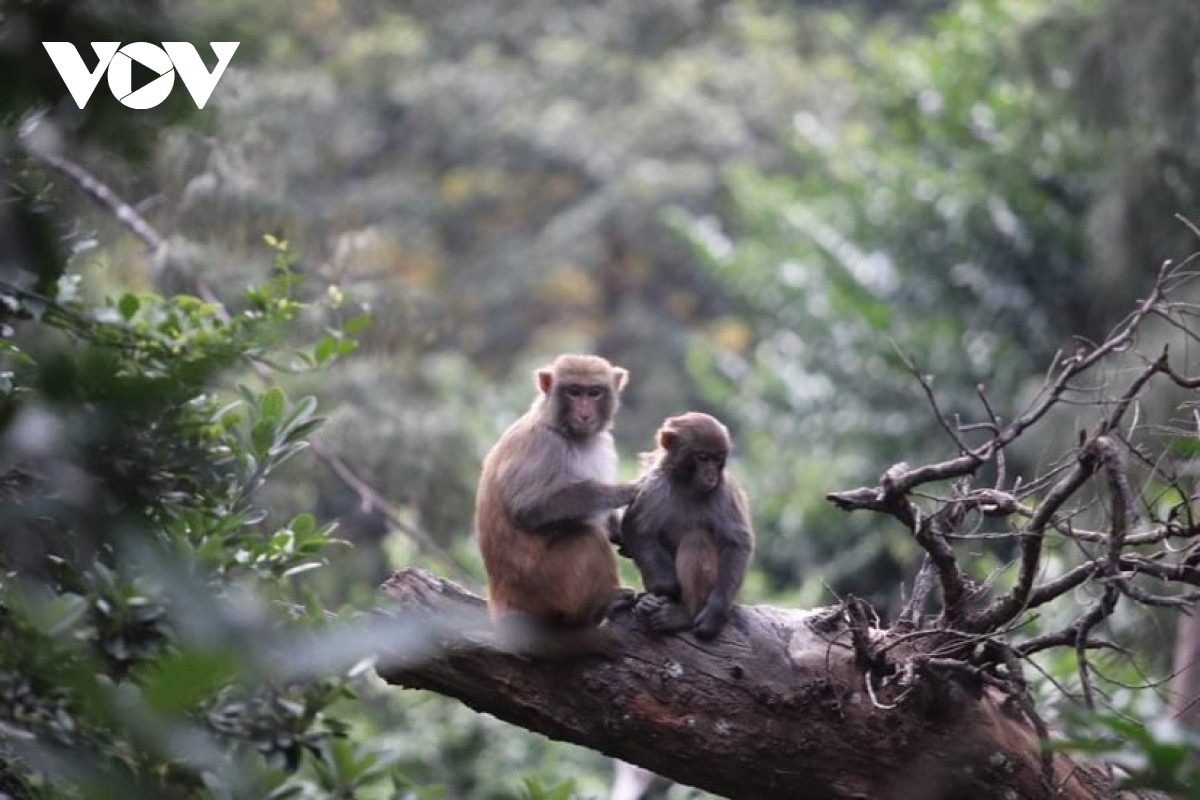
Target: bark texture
(775, 708)
(1185, 685)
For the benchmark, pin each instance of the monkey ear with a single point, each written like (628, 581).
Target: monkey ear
(620, 378)
(544, 379)
(666, 438)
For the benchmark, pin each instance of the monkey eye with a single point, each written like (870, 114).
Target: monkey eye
(595, 391)
(574, 391)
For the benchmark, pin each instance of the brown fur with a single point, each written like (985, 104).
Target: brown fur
(689, 529)
(543, 506)
(696, 565)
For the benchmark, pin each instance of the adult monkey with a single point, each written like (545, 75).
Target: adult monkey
(689, 529)
(543, 512)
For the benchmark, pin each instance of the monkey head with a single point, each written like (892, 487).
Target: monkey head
(695, 447)
(580, 394)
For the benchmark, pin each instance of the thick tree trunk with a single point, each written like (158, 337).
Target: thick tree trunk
(1185, 685)
(775, 708)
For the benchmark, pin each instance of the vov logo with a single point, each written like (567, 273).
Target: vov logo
(162, 61)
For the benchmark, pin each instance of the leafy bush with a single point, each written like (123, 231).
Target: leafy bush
(156, 637)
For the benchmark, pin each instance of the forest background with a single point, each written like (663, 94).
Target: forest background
(777, 212)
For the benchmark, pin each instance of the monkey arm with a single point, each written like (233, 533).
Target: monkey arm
(649, 552)
(614, 533)
(656, 564)
(574, 501)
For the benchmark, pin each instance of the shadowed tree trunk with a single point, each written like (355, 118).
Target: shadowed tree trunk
(1185, 683)
(777, 707)
(1185, 671)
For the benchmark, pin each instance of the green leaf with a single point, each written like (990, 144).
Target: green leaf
(343, 759)
(304, 429)
(303, 525)
(358, 322)
(301, 412)
(211, 548)
(272, 405)
(282, 454)
(262, 436)
(1186, 445)
(129, 305)
(325, 349)
(59, 615)
(283, 540)
(179, 681)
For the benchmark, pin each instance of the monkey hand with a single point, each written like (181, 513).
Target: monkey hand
(628, 491)
(710, 620)
(614, 534)
(661, 615)
(648, 605)
(666, 586)
(623, 599)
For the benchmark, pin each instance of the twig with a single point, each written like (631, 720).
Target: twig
(371, 499)
(927, 387)
(99, 191)
(858, 621)
(930, 534)
(1006, 608)
(903, 480)
(1098, 612)
(910, 618)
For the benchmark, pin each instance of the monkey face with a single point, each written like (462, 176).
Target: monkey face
(580, 394)
(708, 469)
(584, 409)
(696, 447)
(701, 471)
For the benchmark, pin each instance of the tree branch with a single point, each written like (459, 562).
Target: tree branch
(773, 708)
(1005, 609)
(94, 188)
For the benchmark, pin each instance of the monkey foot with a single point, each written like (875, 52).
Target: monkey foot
(661, 615)
(623, 599)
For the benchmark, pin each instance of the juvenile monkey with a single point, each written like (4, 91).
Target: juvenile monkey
(688, 530)
(542, 512)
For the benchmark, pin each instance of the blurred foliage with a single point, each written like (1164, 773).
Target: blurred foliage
(1160, 756)
(155, 635)
(453, 192)
(141, 653)
(965, 210)
(933, 230)
(939, 220)
(25, 24)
